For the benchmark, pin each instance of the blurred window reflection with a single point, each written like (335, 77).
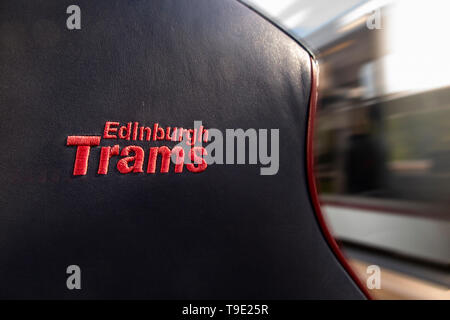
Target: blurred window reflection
(382, 130)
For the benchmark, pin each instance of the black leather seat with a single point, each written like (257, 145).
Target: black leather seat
(227, 232)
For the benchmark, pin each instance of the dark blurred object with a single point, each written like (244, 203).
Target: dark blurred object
(364, 165)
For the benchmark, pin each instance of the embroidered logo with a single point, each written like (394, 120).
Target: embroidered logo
(133, 156)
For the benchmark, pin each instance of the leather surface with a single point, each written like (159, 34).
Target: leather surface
(225, 233)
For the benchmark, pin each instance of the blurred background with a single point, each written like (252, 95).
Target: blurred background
(382, 140)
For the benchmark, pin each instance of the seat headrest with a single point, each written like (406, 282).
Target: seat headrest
(106, 165)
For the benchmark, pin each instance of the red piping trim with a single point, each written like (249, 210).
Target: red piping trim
(312, 181)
